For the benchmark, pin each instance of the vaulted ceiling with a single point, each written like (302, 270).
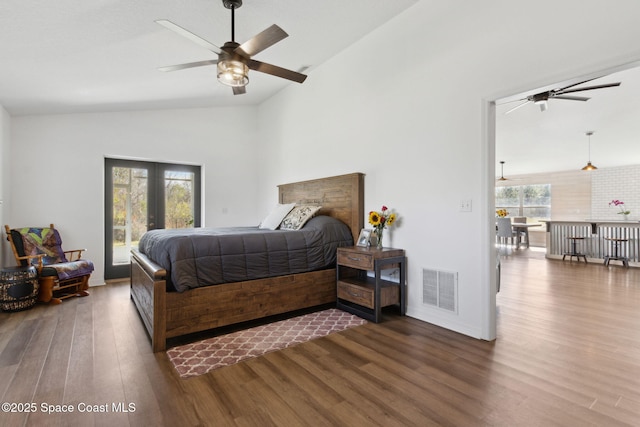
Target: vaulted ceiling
(69, 56)
(102, 55)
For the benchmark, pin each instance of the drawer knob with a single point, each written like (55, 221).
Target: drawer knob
(354, 259)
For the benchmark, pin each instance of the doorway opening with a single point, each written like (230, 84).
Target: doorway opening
(495, 109)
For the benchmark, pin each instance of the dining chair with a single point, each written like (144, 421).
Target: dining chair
(505, 231)
(521, 233)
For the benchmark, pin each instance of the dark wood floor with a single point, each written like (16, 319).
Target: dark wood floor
(567, 354)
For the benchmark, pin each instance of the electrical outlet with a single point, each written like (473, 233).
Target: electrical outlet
(465, 205)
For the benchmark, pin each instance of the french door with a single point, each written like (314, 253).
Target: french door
(141, 196)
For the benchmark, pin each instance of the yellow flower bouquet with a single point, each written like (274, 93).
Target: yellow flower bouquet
(381, 220)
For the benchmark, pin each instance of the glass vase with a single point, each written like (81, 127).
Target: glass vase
(379, 242)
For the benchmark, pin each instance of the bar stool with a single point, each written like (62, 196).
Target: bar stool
(574, 252)
(615, 242)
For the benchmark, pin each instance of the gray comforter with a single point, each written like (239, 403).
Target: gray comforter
(209, 256)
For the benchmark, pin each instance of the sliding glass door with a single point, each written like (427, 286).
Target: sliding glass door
(141, 196)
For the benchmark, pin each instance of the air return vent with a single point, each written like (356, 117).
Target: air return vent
(440, 289)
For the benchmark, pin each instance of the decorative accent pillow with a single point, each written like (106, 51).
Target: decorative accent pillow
(43, 241)
(298, 217)
(275, 217)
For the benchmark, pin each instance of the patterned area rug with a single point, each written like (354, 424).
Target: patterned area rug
(213, 353)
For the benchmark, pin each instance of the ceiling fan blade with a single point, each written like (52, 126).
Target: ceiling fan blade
(188, 34)
(572, 98)
(274, 70)
(518, 106)
(575, 84)
(588, 88)
(261, 41)
(239, 90)
(188, 65)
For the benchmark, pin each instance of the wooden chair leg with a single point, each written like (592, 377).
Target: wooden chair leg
(45, 293)
(83, 286)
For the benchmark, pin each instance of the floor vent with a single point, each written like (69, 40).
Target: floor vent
(440, 289)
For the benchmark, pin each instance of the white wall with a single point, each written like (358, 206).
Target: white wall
(407, 105)
(619, 183)
(5, 194)
(61, 175)
(577, 195)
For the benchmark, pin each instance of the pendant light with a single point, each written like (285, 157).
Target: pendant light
(589, 166)
(502, 178)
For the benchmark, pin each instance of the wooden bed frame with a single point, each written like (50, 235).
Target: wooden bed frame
(171, 314)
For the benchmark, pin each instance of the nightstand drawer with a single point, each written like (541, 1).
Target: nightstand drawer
(355, 260)
(364, 294)
(357, 294)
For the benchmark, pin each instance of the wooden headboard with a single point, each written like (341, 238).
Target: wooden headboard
(341, 197)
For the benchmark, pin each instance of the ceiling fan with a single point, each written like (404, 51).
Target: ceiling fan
(234, 59)
(542, 97)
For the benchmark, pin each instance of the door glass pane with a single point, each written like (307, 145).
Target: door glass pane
(179, 199)
(129, 211)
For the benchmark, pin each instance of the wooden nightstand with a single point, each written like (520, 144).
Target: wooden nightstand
(362, 295)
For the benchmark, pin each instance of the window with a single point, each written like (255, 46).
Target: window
(532, 201)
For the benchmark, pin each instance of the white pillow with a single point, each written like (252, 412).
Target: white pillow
(275, 217)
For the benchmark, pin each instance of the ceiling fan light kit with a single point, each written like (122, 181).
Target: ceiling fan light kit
(542, 103)
(589, 166)
(234, 59)
(231, 71)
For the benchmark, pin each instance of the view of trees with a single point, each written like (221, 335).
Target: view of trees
(130, 204)
(178, 194)
(533, 201)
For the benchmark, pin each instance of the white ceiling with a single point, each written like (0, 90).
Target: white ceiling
(531, 141)
(101, 55)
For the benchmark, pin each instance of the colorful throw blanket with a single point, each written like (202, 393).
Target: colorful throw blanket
(46, 241)
(69, 270)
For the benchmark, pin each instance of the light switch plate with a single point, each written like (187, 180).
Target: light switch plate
(465, 205)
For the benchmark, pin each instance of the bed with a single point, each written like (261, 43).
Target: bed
(168, 314)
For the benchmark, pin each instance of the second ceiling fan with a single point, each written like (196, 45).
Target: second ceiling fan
(561, 93)
(234, 59)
